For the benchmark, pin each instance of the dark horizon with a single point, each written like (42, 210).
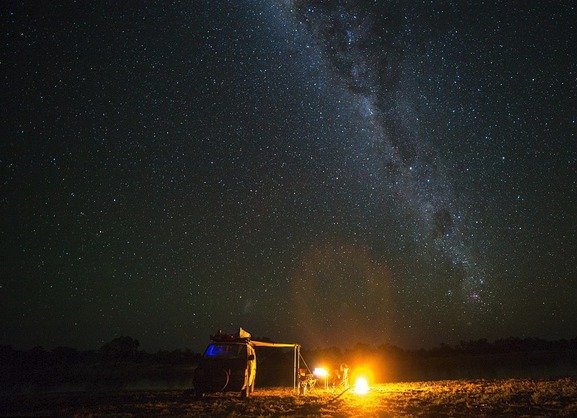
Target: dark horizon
(527, 344)
(127, 348)
(312, 171)
(121, 364)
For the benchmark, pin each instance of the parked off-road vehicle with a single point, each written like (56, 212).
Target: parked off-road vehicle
(226, 366)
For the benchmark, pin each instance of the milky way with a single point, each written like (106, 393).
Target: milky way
(370, 49)
(397, 172)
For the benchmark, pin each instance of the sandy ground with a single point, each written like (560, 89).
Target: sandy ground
(455, 398)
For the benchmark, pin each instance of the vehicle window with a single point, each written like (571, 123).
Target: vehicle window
(224, 350)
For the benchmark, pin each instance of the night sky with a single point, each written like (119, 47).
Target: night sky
(322, 172)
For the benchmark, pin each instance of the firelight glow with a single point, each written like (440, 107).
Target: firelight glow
(320, 372)
(361, 386)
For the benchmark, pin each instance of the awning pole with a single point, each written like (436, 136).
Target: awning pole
(298, 363)
(295, 367)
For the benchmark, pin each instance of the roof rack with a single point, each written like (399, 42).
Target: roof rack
(241, 336)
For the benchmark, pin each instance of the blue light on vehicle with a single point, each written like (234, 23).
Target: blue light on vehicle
(214, 350)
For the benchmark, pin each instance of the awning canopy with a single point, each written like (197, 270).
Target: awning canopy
(244, 336)
(276, 345)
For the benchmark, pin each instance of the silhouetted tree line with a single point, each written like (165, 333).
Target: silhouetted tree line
(508, 357)
(121, 349)
(113, 366)
(121, 360)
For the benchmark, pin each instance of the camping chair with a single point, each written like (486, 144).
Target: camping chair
(307, 381)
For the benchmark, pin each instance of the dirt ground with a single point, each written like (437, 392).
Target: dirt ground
(451, 397)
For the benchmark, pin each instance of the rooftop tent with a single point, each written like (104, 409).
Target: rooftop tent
(243, 334)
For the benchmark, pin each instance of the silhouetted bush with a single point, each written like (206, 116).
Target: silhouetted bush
(121, 348)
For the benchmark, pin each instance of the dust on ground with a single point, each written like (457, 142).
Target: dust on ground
(449, 397)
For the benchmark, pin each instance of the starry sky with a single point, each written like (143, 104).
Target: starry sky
(323, 172)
